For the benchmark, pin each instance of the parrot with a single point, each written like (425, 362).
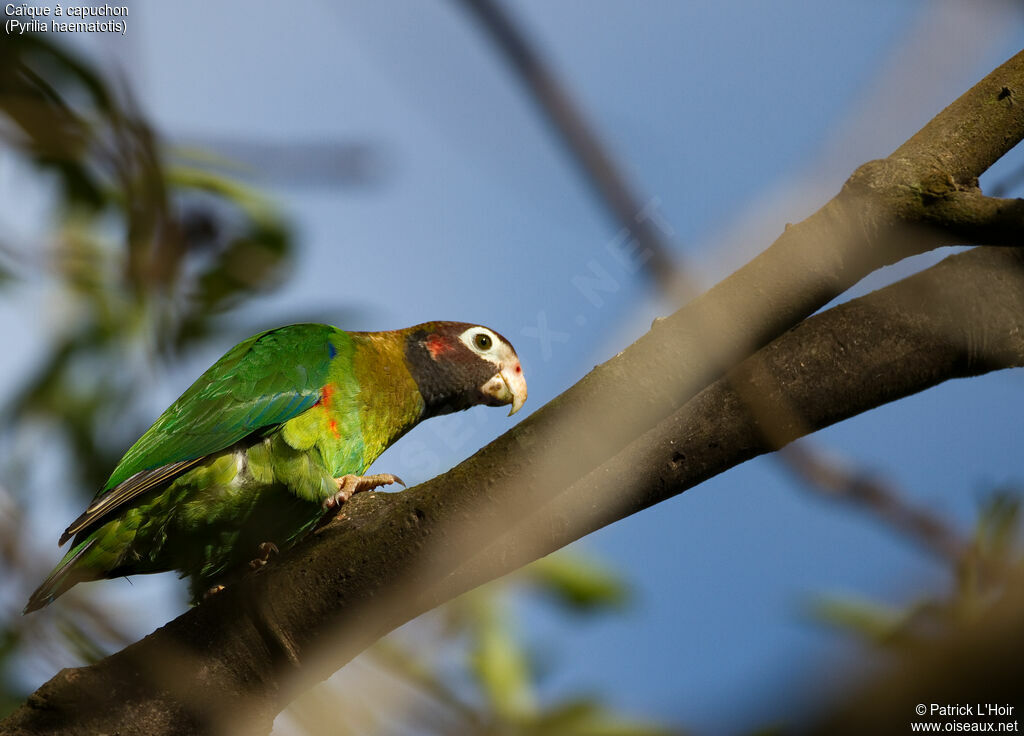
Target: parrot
(271, 440)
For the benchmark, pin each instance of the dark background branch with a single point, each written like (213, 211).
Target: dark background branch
(582, 143)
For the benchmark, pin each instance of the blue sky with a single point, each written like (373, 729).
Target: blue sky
(730, 118)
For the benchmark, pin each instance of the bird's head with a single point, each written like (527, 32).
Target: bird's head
(458, 365)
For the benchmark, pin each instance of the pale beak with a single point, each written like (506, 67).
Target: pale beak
(515, 382)
(507, 387)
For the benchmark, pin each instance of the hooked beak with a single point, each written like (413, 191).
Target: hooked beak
(508, 386)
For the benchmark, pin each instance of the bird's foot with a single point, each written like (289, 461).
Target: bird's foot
(265, 549)
(212, 591)
(349, 485)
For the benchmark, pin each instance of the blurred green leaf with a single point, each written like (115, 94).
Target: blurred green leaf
(499, 662)
(81, 642)
(589, 718)
(866, 619)
(578, 583)
(981, 577)
(994, 553)
(9, 639)
(998, 524)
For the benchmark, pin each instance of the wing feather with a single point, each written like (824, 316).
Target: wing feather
(124, 492)
(261, 382)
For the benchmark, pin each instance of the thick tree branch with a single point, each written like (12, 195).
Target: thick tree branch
(639, 429)
(397, 555)
(973, 132)
(971, 217)
(861, 354)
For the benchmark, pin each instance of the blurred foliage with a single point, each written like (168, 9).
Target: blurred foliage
(989, 567)
(491, 686)
(961, 647)
(139, 263)
(144, 260)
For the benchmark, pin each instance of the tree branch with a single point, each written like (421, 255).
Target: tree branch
(971, 217)
(867, 352)
(639, 429)
(397, 555)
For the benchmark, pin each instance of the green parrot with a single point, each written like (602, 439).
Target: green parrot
(269, 440)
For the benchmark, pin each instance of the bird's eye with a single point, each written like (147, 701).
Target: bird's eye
(482, 341)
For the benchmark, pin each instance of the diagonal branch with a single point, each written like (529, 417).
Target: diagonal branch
(239, 656)
(971, 217)
(877, 496)
(646, 425)
(861, 354)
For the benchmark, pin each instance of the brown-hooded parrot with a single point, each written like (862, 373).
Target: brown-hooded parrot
(267, 441)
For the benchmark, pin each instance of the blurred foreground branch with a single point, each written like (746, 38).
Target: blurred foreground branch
(652, 422)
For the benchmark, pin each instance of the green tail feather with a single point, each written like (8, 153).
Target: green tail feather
(65, 575)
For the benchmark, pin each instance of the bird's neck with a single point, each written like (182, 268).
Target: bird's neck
(389, 401)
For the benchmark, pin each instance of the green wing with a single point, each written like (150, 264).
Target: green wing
(259, 383)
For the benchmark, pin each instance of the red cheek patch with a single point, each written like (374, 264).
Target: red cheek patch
(438, 345)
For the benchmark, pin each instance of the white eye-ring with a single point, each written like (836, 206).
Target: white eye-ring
(480, 340)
